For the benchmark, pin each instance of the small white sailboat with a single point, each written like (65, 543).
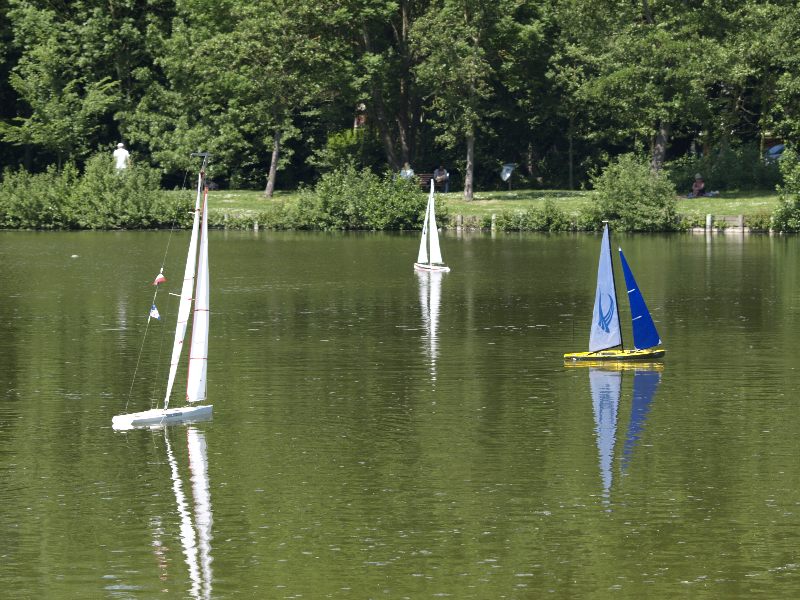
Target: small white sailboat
(430, 254)
(605, 340)
(197, 291)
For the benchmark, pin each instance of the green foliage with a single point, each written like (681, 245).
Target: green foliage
(636, 198)
(101, 198)
(787, 216)
(759, 222)
(741, 168)
(127, 199)
(547, 218)
(359, 147)
(352, 199)
(40, 201)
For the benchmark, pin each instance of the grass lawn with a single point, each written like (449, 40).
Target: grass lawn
(487, 203)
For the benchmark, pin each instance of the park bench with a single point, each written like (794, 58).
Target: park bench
(425, 180)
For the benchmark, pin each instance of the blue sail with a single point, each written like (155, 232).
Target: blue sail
(605, 318)
(645, 384)
(645, 334)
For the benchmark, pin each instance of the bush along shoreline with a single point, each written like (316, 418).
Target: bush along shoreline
(626, 193)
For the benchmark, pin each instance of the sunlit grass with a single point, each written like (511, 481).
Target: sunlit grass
(496, 202)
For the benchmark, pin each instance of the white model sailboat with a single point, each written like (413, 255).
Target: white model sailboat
(430, 254)
(605, 340)
(196, 264)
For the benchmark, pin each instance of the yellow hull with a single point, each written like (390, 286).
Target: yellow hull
(615, 355)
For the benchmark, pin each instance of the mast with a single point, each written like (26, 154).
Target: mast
(614, 281)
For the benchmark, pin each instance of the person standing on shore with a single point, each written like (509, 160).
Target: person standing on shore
(122, 158)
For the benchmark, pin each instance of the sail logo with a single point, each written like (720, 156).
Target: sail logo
(604, 318)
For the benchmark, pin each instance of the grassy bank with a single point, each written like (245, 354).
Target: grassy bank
(241, 203)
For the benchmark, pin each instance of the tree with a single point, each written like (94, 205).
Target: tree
(454, 39)
(66, 105)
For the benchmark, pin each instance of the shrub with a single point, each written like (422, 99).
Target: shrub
(126, 199)
(38, 201)
(638, 199)
(351, 199)
(547, 218)
(101, 198)
(787, 215)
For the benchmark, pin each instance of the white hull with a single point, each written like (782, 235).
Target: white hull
(429, 267)
(158, 417)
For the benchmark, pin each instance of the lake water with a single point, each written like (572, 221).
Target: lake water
(377, 434)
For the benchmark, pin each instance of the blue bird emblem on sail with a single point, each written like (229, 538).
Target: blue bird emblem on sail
(605, 318)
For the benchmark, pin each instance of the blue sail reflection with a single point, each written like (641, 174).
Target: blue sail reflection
(645, 384)
(606, 389)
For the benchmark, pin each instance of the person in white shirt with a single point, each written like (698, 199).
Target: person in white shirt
(122, 158)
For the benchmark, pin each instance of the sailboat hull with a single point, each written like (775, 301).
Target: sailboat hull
(158, 417)
(616, 355)
(428, 267)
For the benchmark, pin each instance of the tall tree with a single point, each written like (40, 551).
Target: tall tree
(455, 40)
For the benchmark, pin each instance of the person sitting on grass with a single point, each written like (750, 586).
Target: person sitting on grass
(698, 187)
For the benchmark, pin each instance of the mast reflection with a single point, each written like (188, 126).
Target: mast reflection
(605, 381)
(430, 296)
(195, 519)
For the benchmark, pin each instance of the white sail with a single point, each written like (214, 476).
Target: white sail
(422, 256)
(605, 317)
(433, 233)
(198, 352)
(186, 296)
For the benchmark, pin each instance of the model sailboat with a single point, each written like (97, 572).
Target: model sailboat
(197, 291)
(605, 341)
(430, 254)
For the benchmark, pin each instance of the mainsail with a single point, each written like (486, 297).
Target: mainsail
(645, 334)
(422, 256)
(187, 289)
(433, 232)
(198, 352)
(605, 318)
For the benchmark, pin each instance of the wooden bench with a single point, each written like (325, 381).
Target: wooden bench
(425, 180)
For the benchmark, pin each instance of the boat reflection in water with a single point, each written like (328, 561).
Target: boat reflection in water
(605, 381)
(194, 513)
(430, 296)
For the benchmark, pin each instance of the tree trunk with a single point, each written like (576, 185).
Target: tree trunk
(273, 165)
(470, 166)
(571, 160)
(660, 147)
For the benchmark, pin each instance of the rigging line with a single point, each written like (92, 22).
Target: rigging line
(138, 360)
(157, 376)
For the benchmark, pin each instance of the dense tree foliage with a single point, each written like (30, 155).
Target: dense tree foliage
(282, 92)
